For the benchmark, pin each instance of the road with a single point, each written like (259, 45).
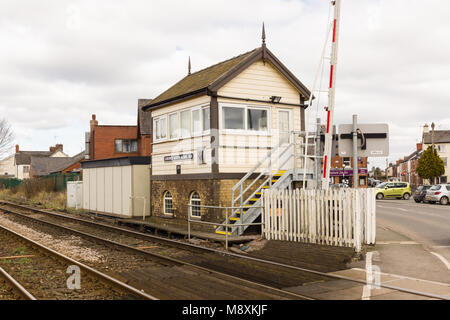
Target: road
(413, 239)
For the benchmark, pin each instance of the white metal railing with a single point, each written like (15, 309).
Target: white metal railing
(273, 161)
(331, 217)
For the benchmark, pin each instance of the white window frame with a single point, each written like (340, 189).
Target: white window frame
(164, 203)
(245, 131)
(165, 117)
(191, 200)
(159, 119)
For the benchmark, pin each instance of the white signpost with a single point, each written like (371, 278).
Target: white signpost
(375, 137)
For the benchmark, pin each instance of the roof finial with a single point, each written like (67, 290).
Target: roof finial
(189, 66)
(263, 35)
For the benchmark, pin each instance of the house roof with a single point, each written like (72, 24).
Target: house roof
(440, 136)
(60, 166)
(24, 157)
(212, 78)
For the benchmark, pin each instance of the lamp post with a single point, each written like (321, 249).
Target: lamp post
(343, 172)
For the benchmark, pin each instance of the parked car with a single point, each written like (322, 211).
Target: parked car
(438, 193)
(397, 190)
(420, 193)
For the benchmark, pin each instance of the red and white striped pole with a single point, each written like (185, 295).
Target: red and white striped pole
(331, 97)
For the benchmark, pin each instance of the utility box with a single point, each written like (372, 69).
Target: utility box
(118, 187)
(75, 194)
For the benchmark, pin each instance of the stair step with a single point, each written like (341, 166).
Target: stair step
(234, 218)
(254, 199)
(222, 232)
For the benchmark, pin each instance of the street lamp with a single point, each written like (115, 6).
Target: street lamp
(343, 172)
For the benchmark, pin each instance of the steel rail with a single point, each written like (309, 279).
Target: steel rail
(100, 275)
(193, 246)
(161, 257)
(16, 285)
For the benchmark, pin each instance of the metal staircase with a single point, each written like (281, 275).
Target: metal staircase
(292, 160)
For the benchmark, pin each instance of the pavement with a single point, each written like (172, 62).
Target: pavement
(412, 252)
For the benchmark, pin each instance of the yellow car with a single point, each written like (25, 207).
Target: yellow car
(399, 190)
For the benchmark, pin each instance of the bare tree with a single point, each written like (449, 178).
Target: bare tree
(6, 138)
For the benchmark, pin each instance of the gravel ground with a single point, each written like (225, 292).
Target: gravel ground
(7, 292)
(46, 278)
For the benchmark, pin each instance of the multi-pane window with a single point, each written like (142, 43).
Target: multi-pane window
(445, 161)
(126, 146)
(441, 147)
(195, 203)
(26, 169)
(182, 124)
(168, 203)
(245, 118)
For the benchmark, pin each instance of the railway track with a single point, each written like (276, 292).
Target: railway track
(145, 265)
(11, 289)
(268, 274)
(42, 273)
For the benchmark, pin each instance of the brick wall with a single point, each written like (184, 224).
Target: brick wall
(103, 141)
(336, 163)
(212, 192)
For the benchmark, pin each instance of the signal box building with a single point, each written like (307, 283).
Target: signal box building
(213, 126)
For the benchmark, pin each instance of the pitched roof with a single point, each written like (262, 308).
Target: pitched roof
(24, 157)
(60, 166)
(215, 76)
(440, 136)
(41, 165)
(200, 79)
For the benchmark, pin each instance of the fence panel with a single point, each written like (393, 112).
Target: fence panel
(331, 217)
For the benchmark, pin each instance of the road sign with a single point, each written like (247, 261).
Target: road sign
(373, 140)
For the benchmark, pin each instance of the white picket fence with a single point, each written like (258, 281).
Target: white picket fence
(343, 217)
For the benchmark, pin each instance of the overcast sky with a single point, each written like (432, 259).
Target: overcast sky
(62, 61)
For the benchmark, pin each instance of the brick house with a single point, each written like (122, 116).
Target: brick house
(231, 110)
(42, 166)
(340, 171)
(407, 167)
(442, 144)
(115, 141)
(24, 160)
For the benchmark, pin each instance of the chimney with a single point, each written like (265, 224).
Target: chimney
(419, 146)
(426, 128)
(52, 149)
(17, 148)
(59, 147)
(93, 122)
